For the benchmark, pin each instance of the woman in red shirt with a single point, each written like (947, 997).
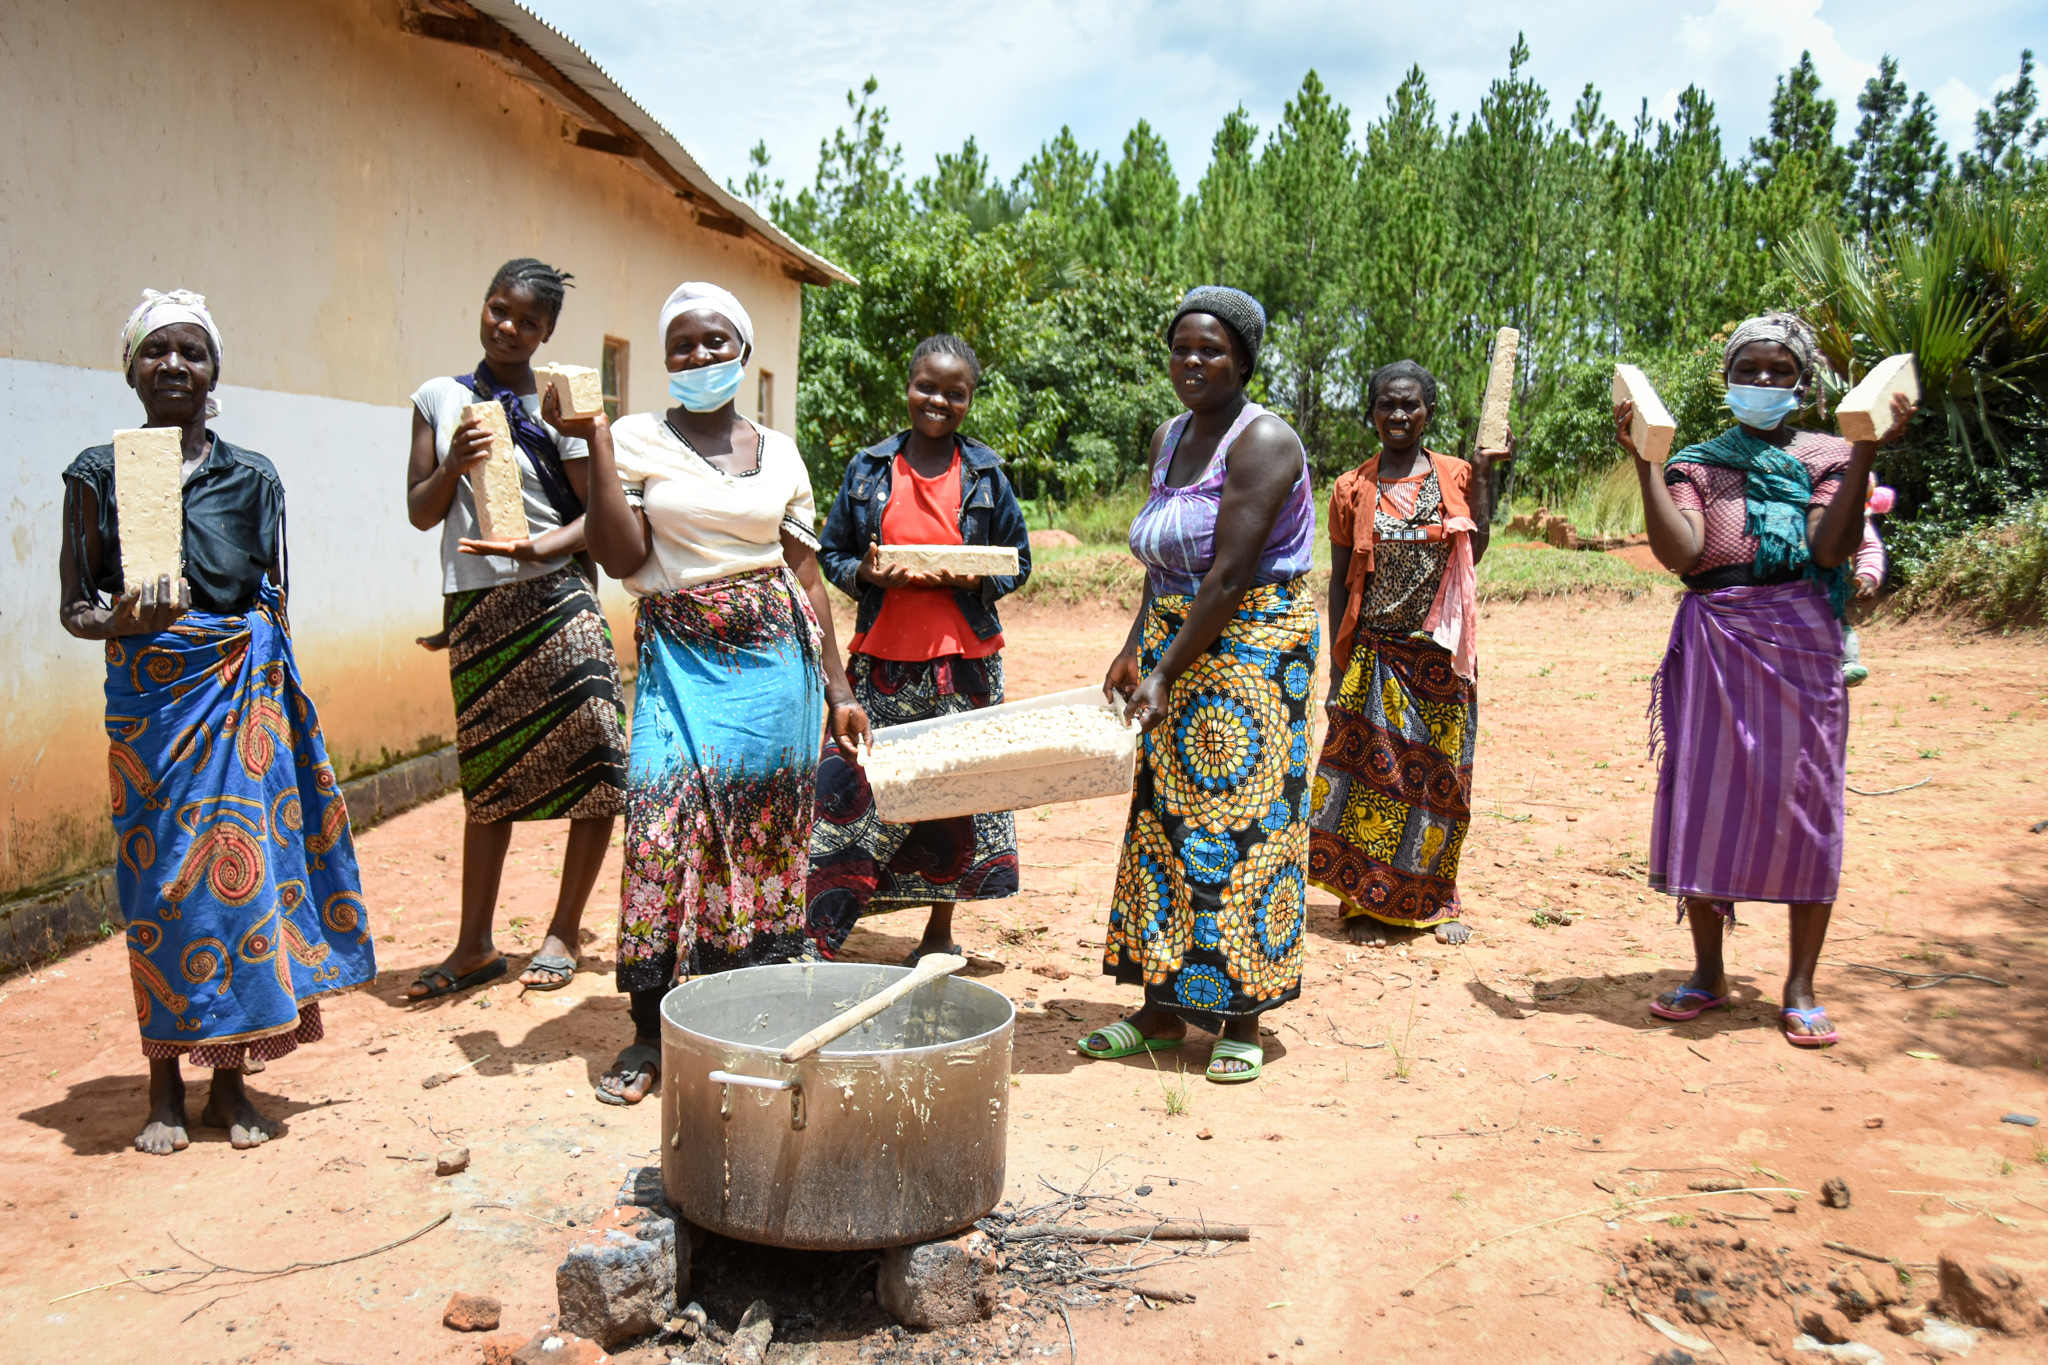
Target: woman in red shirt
(925, 644)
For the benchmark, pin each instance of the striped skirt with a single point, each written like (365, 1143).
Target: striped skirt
(1749, 727)
(538, 723)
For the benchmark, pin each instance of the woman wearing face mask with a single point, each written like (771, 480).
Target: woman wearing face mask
(1210, 890)
(1749, 719)
(235, 866)
(1393, 786)
(708, 521)
(538, 719)
(926, 644)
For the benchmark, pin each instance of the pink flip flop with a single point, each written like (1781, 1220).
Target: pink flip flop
(1815, 1019)
(1682, 1007)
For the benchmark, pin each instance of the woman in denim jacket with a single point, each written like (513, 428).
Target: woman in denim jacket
(924, 645)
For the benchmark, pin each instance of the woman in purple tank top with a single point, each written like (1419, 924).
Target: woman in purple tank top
(1210, 890)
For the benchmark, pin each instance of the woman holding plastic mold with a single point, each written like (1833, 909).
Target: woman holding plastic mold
(925, 644)
(1749, 720)
(708, 521)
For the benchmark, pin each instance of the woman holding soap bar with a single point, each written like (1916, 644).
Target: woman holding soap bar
(1393, 787)
(234, 864)
(539, 722)
(1210, 888)
(925, 644)
(708, 521)
(1749, 721)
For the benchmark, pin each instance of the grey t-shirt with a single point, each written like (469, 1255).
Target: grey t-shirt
(441, 402)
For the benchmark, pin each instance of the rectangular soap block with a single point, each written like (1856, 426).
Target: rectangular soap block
(1499, 401)
(500, 506)
(149, 501)
(998, 560)
(579, 388)
(1866, 413)
(1652, 427)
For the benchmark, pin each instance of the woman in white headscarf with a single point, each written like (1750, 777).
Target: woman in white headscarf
(709, 522)
(234, 863)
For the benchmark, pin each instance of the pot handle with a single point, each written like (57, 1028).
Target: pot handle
(797, 1116)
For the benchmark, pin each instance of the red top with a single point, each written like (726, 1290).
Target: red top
(1719, 496)
(919, 624)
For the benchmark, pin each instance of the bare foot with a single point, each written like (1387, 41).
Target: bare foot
(164, 1131)
(433, 643)
(1452, 932)
(633, 1074)
(1365, 931)
(228, 1106)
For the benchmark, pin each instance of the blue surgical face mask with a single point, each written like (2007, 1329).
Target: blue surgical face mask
(1760, 407)
(707, 388)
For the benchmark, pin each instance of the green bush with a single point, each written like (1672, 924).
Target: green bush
(1996, 571)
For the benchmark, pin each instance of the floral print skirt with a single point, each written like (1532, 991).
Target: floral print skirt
(1211, 888)
(728, 711)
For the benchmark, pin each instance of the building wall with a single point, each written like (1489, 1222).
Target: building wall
(341, 192)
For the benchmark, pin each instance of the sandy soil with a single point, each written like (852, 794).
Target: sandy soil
(1417, 1100)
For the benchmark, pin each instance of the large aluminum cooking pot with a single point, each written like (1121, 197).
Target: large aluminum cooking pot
(892, 1134)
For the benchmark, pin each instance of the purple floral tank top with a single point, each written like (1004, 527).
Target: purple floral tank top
(1174, 534)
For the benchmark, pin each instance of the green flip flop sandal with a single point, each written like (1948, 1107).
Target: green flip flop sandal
(1230, 1050)
(1124, 1041)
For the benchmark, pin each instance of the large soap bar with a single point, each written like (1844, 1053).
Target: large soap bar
(960, 559)
(578, 388)
(1500, 391)
(500, 506)
(1651, 428)
(149, 499)
(1065, 747)
(1866, 413)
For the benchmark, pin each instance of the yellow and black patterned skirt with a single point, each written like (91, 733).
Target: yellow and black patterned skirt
(1393, 788)
(1210, 890)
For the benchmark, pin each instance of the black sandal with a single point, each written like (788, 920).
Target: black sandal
(439, 981)
(636, 1061)
(919, 954)
(563, 968)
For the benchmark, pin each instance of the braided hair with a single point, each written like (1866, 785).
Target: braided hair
(1400, 369)
(546, 283)
(947, 344)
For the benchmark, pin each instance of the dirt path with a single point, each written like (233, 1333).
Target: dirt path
(1416, 1100)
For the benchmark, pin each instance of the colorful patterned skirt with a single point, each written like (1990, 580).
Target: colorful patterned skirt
(1210, 896)
(1750, 729)
(538, 722)
(862, 866)
(234, 862)
(1393, 788)
(727, 714)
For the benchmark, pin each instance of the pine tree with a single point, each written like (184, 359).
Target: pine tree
(1900, 163)
(2005, 139)
(1803, 126)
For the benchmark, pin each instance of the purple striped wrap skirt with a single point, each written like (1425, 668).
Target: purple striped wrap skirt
(1749, 724)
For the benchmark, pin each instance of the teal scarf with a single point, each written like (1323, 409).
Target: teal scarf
(1777, 490)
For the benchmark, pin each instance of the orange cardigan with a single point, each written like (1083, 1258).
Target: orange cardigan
(1351, 524)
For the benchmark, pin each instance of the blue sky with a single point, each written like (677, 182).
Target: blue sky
(722, 76)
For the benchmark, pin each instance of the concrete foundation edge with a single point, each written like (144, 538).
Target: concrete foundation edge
(86, 909)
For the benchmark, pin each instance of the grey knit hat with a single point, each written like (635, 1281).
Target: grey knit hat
(1235, 309)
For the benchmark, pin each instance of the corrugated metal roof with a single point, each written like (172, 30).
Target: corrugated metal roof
(577, 66)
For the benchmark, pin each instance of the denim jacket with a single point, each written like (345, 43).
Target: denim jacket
(989, 515)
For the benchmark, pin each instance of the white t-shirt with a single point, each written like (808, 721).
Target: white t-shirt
(708, 524)
(441, 402)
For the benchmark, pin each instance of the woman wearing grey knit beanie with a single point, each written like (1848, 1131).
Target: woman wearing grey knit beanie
(1209, 902)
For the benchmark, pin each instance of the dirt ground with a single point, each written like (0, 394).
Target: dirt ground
(1417, 1100)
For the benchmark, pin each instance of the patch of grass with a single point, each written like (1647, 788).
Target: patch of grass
(1930, 753)
(1996, 572)
(1176, 1092)
(1514, 572)
(1596, 501)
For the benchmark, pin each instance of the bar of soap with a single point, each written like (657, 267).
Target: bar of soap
(500, 506)
(1500, 391)
(1866, 413)
(579, 388)
(960, 559)
(149, 500)
(1651, 428)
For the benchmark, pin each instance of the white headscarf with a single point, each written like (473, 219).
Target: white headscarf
(162, 310)
(698, 294)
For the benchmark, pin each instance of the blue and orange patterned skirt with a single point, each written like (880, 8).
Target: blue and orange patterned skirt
(1211, 888)
(1393, 788)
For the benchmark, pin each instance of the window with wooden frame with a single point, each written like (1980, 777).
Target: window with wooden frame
(764, 400)
(613, 373)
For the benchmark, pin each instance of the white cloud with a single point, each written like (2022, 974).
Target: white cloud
(722, 77)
